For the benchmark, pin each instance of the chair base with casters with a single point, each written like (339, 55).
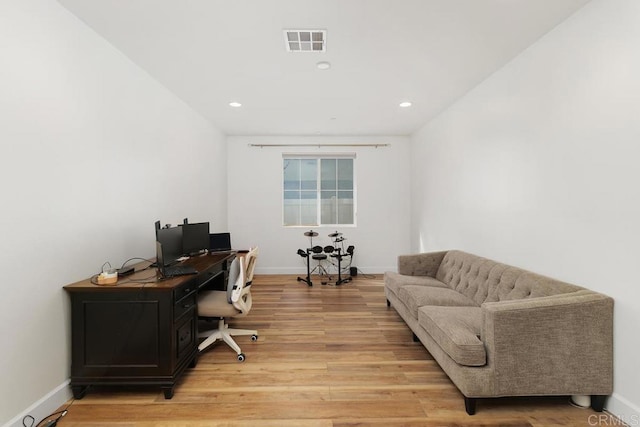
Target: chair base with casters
(226, 334)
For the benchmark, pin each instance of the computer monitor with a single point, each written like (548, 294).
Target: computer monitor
(219, 242)
(195, 237)
(171, 241)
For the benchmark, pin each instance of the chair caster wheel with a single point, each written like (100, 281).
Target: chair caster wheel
(241, 357)
(254, 337)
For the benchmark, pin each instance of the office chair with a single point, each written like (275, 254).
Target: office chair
(234, 302)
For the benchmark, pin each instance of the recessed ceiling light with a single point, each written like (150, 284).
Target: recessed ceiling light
(235, 104)
(323, 65)
(405, 104)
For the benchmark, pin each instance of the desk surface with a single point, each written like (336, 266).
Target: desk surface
(150, 277)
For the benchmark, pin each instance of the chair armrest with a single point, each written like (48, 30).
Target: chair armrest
(561, 344)
(425, 264)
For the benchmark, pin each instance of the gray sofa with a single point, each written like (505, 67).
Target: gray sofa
(498, 330)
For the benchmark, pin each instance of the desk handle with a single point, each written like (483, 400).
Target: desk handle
(185, 306)
(186, 291)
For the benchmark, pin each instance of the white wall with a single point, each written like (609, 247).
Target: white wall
(255, 202)
(538, 167)
(90, 148)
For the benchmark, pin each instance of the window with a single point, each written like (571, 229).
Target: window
(318, 190)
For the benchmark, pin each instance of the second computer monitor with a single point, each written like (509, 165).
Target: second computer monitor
(195, 237)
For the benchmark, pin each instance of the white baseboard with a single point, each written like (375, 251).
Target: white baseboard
(302, 272)
(45, 406)
(623, 409)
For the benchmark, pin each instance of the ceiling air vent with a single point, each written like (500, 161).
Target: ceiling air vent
(305, 40)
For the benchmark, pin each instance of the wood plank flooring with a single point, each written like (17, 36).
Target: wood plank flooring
(326, 356)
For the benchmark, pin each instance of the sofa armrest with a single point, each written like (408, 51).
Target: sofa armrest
(425, 264)
(561, 344)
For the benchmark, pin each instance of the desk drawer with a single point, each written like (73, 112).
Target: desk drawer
(184, 305)
(186, 336)
(185, 289)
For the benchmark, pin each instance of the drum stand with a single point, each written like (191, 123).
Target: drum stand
(307, 279)
(310, 234)
(340, 280)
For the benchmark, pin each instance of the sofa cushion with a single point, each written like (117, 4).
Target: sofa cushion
(415, 296)
(394, 281)
(456, 330)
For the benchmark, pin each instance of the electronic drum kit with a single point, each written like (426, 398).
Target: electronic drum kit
(319, 254)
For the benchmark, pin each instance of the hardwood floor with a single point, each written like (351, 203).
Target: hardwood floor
(326, 356)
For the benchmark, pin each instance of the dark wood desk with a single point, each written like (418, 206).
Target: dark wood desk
(139, 333)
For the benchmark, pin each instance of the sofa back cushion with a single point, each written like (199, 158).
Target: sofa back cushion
(484, 280)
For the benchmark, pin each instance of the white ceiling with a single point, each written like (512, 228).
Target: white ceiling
(212, 52)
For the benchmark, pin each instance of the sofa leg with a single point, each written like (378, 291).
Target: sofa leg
(388, 303)
(470, 405)
(415, 338)
(597, 402)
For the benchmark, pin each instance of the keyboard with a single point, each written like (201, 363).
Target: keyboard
(179, 270)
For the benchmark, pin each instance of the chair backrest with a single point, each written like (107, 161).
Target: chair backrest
(237, 279)
(238, 293)
(241, 270)
(250, 262)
